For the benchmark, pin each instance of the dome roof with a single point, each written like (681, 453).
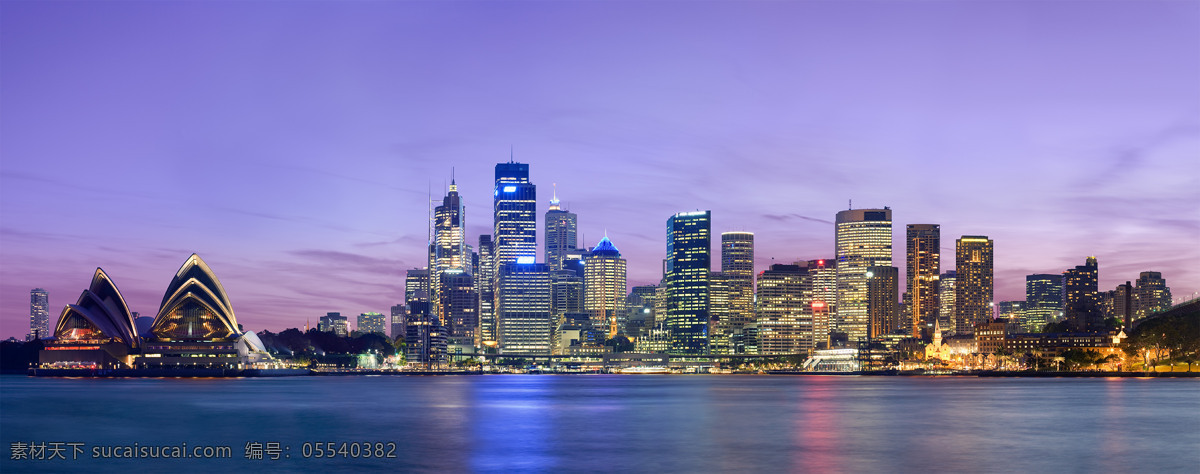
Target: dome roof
(605, 248)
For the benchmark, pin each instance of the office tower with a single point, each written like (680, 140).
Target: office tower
(524, 323)
(459, 310)
(371, 323)
(335, 323)
(485, 285)
(882, 299)
(640, 310)
(1120, 304)
(946, 302)
(784, 327)
(560, 233)
(514, 233)
(566, 293)
(39, 314)
(1080, 296)
(719, 329)
(1151, 295)
(737, 267)
(924, 244)
(862, 239)
(449, 248)
(425, 337)
(1043, 300)
(399, 314)
(604, 287)
(688, 264)
(822, 306)
(1014, 313)
(416, 286)
(973, 290)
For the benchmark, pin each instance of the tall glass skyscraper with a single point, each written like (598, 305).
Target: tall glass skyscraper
(862, 239)
(39, 314)
(921, 279)
(946, 302)
(689, 261)
(1043, 300)
(561, 227)
(784, 327)
(523, 317)
(515, 206)
(485, 282)
(604, 287)
(449, 249)
(973, 290)
(737, 267)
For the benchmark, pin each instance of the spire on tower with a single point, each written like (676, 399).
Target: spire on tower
(554, 200)
(453, 185)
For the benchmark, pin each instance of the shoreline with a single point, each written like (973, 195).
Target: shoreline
(256, 373)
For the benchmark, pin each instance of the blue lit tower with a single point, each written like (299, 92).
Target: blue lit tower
(689, 261)
(515, 230)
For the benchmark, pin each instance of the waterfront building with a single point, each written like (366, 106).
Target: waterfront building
(524, 322)
(924, 245)
(946, 301)
(485, 285)
(882, 300)
(974, 286)
(39, 314)
(561, 229)
(372, 322)
(823, 277)
(459, 310)
(990, 336)
(1043, 301)
(640, 305)
(425, 337)
(334, 323)
(1151, 295)
(98, 331)
(1081, 298)
(862, 239)
(604, 287)
(719, 328)
(416, 285)
(737, 267)
(1014, 313)
(784, 327)
(449, 251)
(566, 293)
(688, 265)
(1118, 304)
(514, 231)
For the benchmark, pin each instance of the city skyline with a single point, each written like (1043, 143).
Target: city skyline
(301, 165)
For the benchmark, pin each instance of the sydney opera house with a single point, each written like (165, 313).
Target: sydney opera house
(195, 329)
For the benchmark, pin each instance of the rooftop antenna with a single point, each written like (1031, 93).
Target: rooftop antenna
(510, 154)
(851, 204)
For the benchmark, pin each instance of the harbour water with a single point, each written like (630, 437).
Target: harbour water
(620, 423)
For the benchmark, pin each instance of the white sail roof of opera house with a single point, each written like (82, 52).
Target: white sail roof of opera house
(195, 306)
(100, 313)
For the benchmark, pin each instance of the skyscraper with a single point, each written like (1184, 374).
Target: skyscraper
(862, 239)
(737, 268)
(515, 227)
(39, 314)
(523, 319)
(449, 247)
(882, 296)
(784, 327)
(485, 284)
(560, 233)
(399, 317)
(459, 309)
(689, 261)
(1081, 296)
(946, 301)
(720, 335)
(823, 279)
(1043, 300)
(1151, 295)
(604, 287)
(973, 290)
(921, 279)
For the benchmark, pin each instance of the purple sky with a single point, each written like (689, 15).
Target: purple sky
(292, 144)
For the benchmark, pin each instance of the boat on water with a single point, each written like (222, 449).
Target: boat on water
(644, 370)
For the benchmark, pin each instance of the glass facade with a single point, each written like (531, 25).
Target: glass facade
(689, 262)
(862, 239)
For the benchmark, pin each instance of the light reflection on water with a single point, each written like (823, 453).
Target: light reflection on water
(646, 423)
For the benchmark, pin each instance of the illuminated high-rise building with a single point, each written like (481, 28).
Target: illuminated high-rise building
(973, 290)
(450, 255)
(946, 302)
(1043, 300)
(823, 280)
(1151, 295)
(416, 286)
(688, 264)
(523, 320)
(784, 327)
(459, 310)
(334, 323)
(882, 298)
(399, 317)
(566, 294)
(485, 285)
(862, 239)
(921, 278)
(39, 314)
(1081, 288)
(515, 227)
(640, 310)
(720, 334)
(737, 270)
(561, 228)
(604, 287)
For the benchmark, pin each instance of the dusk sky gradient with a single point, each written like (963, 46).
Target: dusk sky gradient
(293, 144)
